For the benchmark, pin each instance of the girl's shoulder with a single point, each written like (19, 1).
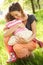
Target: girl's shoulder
(10, 22)
(13, 22)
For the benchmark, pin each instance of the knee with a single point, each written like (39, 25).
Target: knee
(32, 46)
(16, 47)
(35, 45)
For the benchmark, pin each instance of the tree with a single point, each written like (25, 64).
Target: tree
(38, 3)
(33, 8)
(9, 1)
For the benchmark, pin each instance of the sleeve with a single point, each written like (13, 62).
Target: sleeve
(13, 23)
(32, 18)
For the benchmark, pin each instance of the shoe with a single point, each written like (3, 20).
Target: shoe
(12, 58)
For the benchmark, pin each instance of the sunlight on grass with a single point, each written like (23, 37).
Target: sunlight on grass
(40, 30)
(3, 53)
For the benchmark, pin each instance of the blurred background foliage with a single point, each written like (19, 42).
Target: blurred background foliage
(26, 4)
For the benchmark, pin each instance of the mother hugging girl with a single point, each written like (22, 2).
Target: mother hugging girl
(19, 36)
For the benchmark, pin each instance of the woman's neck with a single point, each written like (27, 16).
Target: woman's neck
(24, 19)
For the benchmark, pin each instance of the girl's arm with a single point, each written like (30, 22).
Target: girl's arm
(5, 28)
(11, 30)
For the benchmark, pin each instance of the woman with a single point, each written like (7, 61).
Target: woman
(30, 24)
(22, 50)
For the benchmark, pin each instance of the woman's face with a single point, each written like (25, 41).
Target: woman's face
(16, 14)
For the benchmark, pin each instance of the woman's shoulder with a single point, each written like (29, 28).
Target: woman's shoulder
(31, 18)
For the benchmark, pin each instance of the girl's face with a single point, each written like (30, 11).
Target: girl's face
(16, 14)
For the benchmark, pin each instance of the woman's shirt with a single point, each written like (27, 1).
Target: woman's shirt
(30, 20)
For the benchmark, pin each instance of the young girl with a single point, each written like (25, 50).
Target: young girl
(12, 54)
(21, 31)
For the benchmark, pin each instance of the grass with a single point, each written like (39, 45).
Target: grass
(38, 53)
(2, 48)
(39, 16)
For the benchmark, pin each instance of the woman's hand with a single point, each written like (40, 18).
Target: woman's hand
(21, 40)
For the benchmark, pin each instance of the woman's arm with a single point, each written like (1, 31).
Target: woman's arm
(33, 26)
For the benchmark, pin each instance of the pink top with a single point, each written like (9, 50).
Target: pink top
(13, 23)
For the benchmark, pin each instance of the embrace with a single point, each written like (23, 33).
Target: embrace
(20, 33)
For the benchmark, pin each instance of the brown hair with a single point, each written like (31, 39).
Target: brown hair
(16, 7)
(9, 17)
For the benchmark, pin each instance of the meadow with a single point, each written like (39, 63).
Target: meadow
(37, 59)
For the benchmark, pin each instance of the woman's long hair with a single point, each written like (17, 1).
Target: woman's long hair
(16, 7)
